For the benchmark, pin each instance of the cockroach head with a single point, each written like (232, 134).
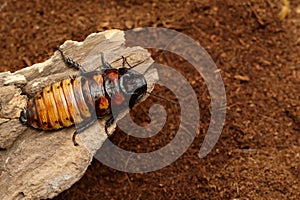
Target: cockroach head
(133, 84)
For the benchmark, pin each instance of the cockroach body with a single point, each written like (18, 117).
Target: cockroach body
(82, 99)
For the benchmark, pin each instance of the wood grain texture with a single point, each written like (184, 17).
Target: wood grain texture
(40, 164)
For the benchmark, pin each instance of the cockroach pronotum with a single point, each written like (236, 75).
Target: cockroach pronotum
(82, 99)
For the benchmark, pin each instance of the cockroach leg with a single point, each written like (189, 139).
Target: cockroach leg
(105, 64)
(108, 123)
(74, 138)
(71, 63)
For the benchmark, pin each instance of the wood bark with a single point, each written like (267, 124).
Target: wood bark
(38, 164)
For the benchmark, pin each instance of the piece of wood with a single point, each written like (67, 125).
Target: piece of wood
(40, 164)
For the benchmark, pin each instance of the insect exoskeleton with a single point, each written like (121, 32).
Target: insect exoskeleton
(82, 99)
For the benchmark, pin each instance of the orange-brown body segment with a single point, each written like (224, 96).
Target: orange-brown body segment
(53, 118)
(61, 105)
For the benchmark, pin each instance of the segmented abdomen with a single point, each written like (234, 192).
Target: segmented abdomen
(67, 102)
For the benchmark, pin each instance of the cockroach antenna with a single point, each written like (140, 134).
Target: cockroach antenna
(157, 96)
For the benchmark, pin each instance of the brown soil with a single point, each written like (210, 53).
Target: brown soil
(258, 154)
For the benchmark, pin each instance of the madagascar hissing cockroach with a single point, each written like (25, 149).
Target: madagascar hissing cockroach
(82, 99)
